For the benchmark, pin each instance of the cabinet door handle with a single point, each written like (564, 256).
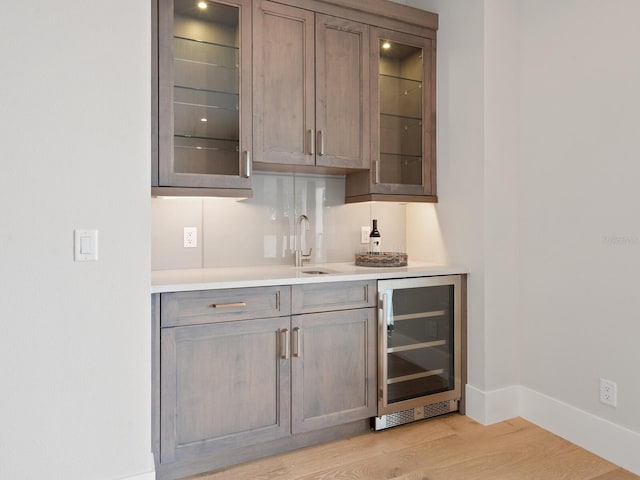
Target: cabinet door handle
(387, 309)
(284, 344)
(320, 142)
(246, 167)
(229, 305)
(376, 176)
(312, 142)
(296, 342)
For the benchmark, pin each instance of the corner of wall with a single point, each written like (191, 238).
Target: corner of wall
(492, 406)
(613, 442)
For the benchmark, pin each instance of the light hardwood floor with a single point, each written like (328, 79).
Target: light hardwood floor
(451, 447)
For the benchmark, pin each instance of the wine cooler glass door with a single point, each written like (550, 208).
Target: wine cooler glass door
(419, 334)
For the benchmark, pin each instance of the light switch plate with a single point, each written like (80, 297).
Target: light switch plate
(85, 245)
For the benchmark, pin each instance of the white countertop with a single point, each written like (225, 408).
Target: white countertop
(163, 281)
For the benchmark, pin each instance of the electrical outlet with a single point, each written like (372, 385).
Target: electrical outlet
(608, 392)
(190, 237)
(364, 234)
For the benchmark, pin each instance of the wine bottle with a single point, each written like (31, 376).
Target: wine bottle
(375, 239)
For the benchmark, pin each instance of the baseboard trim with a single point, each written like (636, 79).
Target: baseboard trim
(151, 475)
(493, 406)
(142, 476)
(608, 440)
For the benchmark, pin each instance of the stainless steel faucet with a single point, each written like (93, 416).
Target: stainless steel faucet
(301, 258)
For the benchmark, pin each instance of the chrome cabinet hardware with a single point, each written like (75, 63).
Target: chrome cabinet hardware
(296, 342)
(284, 344)
(229, 305)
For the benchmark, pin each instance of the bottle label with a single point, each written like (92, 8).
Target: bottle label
(375, 245)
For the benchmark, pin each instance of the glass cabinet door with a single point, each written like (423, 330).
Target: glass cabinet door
(203, 98)
(419, 332)
(403, 150)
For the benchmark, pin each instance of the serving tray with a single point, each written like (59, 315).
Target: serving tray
(383, 259)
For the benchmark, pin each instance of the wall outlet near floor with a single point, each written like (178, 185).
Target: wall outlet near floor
(364, 234)
(608, 392)
(190, 237)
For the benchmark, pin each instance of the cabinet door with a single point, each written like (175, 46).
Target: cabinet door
(333, 364)
(204, 94)
(403, 152)
(284, 96)
(403, 120)
(223, 386)
(342, 92)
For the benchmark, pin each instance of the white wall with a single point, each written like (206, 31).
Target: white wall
(74, 140)
(580, 208)
(557, 210)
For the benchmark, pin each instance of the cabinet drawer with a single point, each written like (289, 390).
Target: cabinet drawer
(209, 306)
(323, 297)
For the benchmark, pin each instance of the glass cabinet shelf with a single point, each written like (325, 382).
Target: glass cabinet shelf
(400, 135)
(222, 144)
(204, 51)
(417, 83)
(209, 98)
(400, 169)
(213, 156)
(206, 121)
(205, 65)
(402, 96)
(405, 117)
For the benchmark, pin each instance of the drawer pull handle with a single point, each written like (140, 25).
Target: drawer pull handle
(229, 305)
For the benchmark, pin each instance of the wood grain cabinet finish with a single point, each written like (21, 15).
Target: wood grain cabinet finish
(224, 386)
(311, 88)
(403, 141)
(246, 377)
(333, 368)
(288, 86)
(322, 297)
(209, 306)
(203, 104)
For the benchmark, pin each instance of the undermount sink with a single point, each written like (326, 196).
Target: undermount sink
(315, 272)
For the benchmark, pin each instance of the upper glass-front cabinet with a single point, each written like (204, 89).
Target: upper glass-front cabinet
(204, 95)
(403, 121)
(403, 153)
(400, 81)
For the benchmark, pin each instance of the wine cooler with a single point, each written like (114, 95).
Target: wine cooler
(419, 337)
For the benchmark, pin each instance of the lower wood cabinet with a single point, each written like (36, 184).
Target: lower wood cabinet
(233, 390)
(223, 386)
(333, 368)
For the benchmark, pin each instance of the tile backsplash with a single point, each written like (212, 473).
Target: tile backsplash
(261, 230)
